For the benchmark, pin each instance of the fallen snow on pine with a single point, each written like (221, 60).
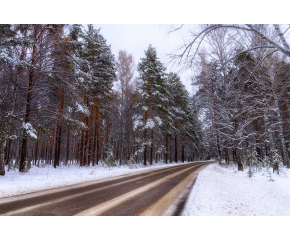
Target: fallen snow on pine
(42, 178)
(30, 130)
(224, 191)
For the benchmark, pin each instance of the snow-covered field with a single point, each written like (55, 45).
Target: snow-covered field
(224, 191)
(14, 182)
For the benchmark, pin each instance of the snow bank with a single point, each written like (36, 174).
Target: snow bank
(42, 178)
(223, 191)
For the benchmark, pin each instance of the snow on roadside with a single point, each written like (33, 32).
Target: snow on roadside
(42, 178)
(224, 191)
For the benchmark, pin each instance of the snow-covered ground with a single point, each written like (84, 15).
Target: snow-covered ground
(41, 178)
(218, 191)
(224, 191)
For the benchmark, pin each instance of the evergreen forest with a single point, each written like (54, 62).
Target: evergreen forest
(65, 99)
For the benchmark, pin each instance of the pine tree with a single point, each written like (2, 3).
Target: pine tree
(12, 67)
(277, 161)
(96, 73)
(45, 38)
(185, 127)
(154, 98)
(6, 58)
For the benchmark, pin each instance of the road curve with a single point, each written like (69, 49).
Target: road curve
(157, 192)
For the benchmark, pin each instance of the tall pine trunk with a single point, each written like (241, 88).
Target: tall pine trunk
(23, 157)
(175, 148)
(151, 150)
(6, 136)
(258, 148)
(58, 132)
(36, 147)
(145, 130)
(281, 134)
(28, 107)
(67, 144)
(167, 150)
(182, 152)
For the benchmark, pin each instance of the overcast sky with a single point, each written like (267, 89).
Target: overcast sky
(135, 39)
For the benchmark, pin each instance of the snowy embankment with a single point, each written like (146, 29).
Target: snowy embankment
(224, 191)
(42, 178)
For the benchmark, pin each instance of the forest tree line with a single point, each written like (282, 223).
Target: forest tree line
(243, 96)
(66, 99)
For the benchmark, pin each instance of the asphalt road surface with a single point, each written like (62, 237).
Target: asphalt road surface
(155, 192)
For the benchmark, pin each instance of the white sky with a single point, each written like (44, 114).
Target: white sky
(135, 39)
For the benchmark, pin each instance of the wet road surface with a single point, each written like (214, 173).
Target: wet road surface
(157, 192)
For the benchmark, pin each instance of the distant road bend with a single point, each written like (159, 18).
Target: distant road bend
(157, 192)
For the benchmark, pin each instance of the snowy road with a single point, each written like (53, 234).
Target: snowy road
(157, 192)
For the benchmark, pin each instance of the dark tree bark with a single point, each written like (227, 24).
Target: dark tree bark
(182, 152)
(67, 144)
(167, 150)
(175, 149)
(151, 150)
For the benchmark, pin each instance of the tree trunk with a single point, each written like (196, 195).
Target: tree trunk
(151, 150)
(51, 145)
(145, 148)
(82, 149)
(2, 155)
(6, 136)
(226, 151)
(240, 165)
(57, 147)
(98, 145)
(145, 131)
(216, 129)
(167, 150)
(182, 152)
(287, 121)
(281, 134)
(8, 152)
(94, 145)
(36, 147)
(67, 144)
(170, 156)
(86, 145)
(27, 112)
(258, 148)
(175, 149)
(58, 132)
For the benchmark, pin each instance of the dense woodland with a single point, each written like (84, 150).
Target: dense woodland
(243, 97)
(66, 99)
